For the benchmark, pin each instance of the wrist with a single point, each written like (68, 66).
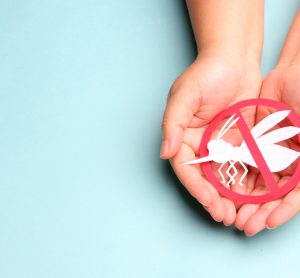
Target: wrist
(232, 53)
(290, 54)
(222, 26)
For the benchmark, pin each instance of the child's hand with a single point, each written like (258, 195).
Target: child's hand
(229, 37)
(283, 85)
(211, 84)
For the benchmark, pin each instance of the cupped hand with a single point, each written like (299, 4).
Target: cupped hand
(211, 84)
(282, 84)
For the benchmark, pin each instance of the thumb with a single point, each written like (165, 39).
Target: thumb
(180, 109)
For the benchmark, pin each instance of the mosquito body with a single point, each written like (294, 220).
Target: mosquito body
(276, 156)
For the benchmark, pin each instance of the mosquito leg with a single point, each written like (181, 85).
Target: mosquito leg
(245, 172)
(221, 174)
(228, 173)
(235, 171)
(231, 180)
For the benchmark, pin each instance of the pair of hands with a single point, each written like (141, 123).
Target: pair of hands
(211, 84)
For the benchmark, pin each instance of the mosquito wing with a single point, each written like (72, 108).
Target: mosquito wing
(267, 123)
(278, 135)
(277, 157)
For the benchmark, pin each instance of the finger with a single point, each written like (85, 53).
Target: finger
(217, 210)
(244, 214)
(289, 206)
(248, 186)
(180, 109)
(191, 177)
(192, 138)
(257, 222)
(230, 212)
(247, 210)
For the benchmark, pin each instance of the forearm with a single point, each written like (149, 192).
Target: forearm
(228, 26)
(291, 49)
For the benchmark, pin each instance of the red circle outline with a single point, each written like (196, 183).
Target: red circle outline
(206, 166)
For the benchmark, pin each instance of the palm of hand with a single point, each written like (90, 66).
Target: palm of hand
(281, 85)
(213, 86)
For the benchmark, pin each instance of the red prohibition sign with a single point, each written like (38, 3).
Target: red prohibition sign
(275, 191)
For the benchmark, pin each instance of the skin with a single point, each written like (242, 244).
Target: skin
(218, 78)
(282, 84)
(229, 36)
(225, 71)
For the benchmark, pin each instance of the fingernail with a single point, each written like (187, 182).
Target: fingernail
(270, 228)
(249, 235)
(164, 148)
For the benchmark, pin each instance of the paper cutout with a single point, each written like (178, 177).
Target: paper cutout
(259, 149)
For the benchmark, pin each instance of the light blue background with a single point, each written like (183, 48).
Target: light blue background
(83, 84)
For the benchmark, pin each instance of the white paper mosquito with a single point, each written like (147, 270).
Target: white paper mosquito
(277, 157)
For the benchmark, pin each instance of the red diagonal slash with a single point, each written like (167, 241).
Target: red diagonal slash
(256, 154)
